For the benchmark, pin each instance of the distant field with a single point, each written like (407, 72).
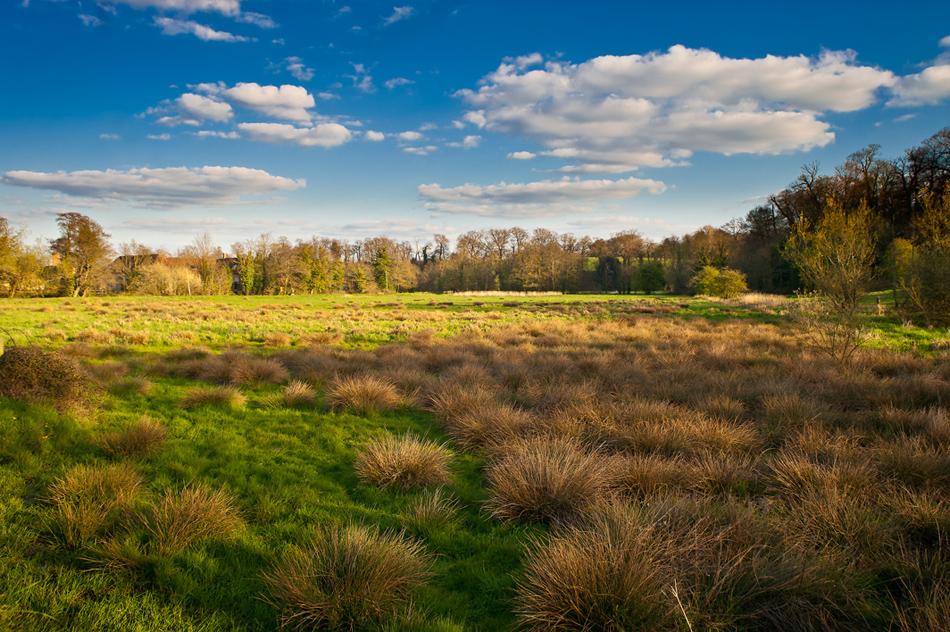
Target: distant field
(556, 462)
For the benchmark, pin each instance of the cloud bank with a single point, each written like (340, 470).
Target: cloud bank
(168, 188)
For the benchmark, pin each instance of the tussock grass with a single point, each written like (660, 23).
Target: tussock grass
(433, 510)
(185, 517)
(87, 501)
(551, 480)
(362, 395)
(227, 397)
(277, 339)
(298, 394)
(404, 462)
(249, 371)
(141, 440)
(130, 385)
(346, 578)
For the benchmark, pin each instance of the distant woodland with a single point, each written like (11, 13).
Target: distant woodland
(901, 203)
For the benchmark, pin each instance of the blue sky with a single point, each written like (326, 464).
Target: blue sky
(163, 119)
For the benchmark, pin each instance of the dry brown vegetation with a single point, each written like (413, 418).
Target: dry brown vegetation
(403, 462)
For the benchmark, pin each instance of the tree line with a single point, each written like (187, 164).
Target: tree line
(902, 203)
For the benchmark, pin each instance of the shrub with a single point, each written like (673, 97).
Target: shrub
(547, 480)
(362, 395)
(403, 462)
(87, 501)
(188, 516)
(38, 376)
(721, 283)
(347, 577)
(141, 440)
(220, 396)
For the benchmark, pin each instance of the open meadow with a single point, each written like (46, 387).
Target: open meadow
(422, 462)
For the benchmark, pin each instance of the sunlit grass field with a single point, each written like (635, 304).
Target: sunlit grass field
(489, 463)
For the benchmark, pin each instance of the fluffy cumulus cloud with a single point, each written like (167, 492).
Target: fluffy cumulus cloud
(173, 26)
(167, 188)
(929, 86)
(193, 109)
(545, 198)
(284, 102)
(321, 135)
(613, 114)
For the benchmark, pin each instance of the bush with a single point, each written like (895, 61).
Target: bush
(37, 376)
(347, 577)
(403, 462)
(721, 283)
(547, 480)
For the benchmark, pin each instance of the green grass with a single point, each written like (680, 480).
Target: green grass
(288, 466)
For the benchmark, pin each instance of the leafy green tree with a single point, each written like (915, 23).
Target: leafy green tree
(836, 254)
(85, 255)
(650, 277)
(382, 263)
(724, 283)
(926, 278)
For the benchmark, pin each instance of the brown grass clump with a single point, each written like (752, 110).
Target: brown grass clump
(607, 576)
(553, 480)
(645, 475)
(38, 376)
(141, 440)
(298, 394)
(277, 339)
(433, 510)
(346, 578)
(403, 462)
(94, 336)
(249, 371)
(362, 395)
(220, 396)
(188, 516)
(490, 426)
(87, 501)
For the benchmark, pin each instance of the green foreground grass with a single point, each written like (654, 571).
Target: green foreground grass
(290, 469)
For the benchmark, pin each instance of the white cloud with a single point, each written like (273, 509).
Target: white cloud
(613, 114)
(420, 151)
(110, 137)
(90, 20)
(172, 26)
(224, 7)
(285, 102)
(205, 133)
(945, 42)
(541, 192)
(257, 19)
(373, 136)
(297, 68)
(168, 188)
(160, 136)
(321, 135)
(409, 136)
(929, 86)
(399, 13)
(522, 155)
(398, 81)
(471, 141)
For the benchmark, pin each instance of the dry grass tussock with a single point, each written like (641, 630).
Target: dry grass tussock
(346, 578)
(404, 462)
(298, 394)
(363, 395)
(88, 501)
(38, 376)
(137, 441)
(551, 480)
(227, 397)
(433, 510)
(182, 518)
